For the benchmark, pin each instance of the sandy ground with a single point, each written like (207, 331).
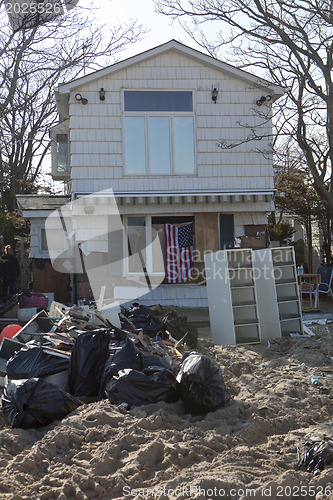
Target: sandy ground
(247, 449)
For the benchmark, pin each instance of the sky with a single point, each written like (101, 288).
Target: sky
(161, 28)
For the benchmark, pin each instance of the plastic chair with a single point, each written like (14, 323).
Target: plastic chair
(326, 274)
(325, 286)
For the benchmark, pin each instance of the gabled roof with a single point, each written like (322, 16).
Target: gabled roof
(180, 48)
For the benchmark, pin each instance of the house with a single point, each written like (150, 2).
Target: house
(37, 208)
(171, 131)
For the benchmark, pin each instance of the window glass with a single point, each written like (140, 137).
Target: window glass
(136, 232)
(183, 144)
(159, 145)
(157, 100)
(62, 153)
(227, 231)
(43, 243)
(135, 144)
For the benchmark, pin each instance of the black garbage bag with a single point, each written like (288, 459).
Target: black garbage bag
(143, 318)
(151, 360)
(87, 362)
(142, 388)
(124, 354)
(178, 326)
(201, 386)
(33, 361)
(319, 454)
(35, 403)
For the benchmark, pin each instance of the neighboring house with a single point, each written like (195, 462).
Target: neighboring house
(37, 208)
(151, 128)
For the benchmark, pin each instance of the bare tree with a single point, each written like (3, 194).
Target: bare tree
(32, 62)
(291, 42)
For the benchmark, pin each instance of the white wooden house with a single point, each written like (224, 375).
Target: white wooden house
(157, 128)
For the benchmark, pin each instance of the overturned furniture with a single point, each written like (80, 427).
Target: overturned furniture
(253, 295)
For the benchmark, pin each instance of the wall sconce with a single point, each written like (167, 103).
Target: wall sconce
(81, 99)
(102, 94)
(263, 98)
(214, 94)
(89, 209)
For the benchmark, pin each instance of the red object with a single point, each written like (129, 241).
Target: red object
(35, 300)
(9, 331)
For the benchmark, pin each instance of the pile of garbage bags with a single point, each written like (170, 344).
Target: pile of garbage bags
(131, 366)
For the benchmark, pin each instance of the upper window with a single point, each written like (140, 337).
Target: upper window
(158, 100)
(159, 132)
(62, 153)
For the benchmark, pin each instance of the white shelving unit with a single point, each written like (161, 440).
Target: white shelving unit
(232, 297)
(266, 294)
(252, 295)
(287, 292)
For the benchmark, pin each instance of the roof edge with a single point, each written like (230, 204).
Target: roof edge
(66, 88)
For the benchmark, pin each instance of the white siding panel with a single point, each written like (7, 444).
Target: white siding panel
(95, 135)
(96, 122)
(96, 147)
(98, 160)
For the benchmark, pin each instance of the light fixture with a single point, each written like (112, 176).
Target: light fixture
(102, 94)
(89, 209)
(81, 99)
(214, 94)
(263, 98)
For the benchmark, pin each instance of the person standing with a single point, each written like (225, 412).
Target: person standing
(10, 270)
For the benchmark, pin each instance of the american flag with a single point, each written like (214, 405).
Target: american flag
(179, 253)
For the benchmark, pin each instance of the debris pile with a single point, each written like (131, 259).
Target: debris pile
(74, 356)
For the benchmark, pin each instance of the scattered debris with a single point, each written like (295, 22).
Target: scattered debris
(180, 328)
(143, 318)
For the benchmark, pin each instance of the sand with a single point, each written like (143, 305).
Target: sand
(247, 449)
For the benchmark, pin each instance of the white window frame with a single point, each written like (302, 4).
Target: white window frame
(60, 129)
(42, 250)
(149, 257)
(170, 114)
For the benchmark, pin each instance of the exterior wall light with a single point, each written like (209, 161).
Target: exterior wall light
(81, 99)
(102, 94)
(214, 94)
(263, 98)
(89, 209)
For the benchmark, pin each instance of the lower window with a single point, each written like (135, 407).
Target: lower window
(175, 235)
